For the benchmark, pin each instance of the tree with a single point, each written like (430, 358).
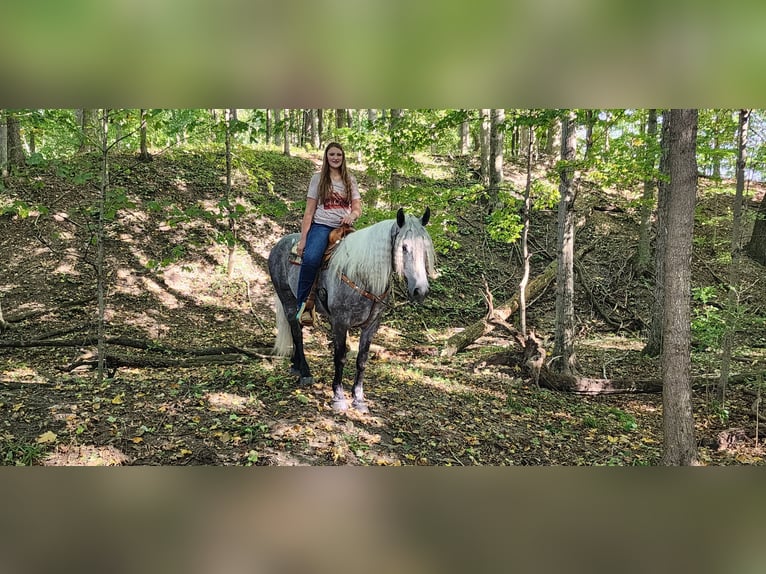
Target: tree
(464, 135)
(680, 447)
(736, 253)
(3, 145)
(497, 136)
(653, 347)
(647, 200)
(525, 239)
(16, 158)
(484, 145)
(89, 134)
(564, 360)
(143, 154)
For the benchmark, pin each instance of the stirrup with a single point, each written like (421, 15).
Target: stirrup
(305, 316)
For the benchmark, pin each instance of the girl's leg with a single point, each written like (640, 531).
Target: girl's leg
(316, 244)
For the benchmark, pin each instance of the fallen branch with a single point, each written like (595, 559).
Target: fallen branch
(113, 362)
(139, 344)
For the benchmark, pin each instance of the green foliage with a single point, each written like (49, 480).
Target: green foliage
(544, 194)
(505, 225)
(19, 453)
(22, 209)
(708, 324)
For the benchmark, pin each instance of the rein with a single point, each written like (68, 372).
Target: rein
(363, 292)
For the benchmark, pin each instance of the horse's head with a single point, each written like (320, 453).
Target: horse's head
(413, 252)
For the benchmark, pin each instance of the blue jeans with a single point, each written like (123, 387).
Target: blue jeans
(316, 243)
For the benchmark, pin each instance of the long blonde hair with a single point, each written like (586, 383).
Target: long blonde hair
(325, 182)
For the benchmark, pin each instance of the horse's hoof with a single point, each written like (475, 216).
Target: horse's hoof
(295, 371)
(306, 381)
(360, 406)
(339, 406)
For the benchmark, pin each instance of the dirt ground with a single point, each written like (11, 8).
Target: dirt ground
(168, 290)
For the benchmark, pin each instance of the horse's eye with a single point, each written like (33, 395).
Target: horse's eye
(405, 248)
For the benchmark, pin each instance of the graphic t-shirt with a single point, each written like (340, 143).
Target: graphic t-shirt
(336, 207)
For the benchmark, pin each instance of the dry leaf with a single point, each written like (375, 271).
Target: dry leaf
(49, 436)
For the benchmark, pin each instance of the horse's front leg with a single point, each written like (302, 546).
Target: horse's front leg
(339, 332)
(357, 391)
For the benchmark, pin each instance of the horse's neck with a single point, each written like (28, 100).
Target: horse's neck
(367, 258)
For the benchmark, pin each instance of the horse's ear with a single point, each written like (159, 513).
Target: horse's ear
(426, 216)
(400, 217)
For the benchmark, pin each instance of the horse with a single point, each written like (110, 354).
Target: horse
(352, 292)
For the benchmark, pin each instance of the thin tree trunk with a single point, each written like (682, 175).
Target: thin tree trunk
(144, 151)
(232, 223)
(497, 136)
(276, 127)
(653, 346)
(736, 255)
(320, 126)
(101, 271)
(564, 359)
(647, 201)
(396, 117)
(3, 145)
(484, 137)
(680, 447)
(524, 240)
(464, 136)
(286, 133)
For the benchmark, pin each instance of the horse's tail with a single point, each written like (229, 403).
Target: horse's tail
(283, 346)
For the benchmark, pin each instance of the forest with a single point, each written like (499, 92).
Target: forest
(598, 297)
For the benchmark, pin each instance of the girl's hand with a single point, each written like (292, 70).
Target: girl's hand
(301, 245)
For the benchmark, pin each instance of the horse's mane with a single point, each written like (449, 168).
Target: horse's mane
(365, 255)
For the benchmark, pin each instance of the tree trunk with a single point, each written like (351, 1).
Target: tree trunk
(88, 134)
(340, 117)
(736, 254)
(524, 239)
(396, 117)
(320, 126)
(553, 139)
(100, 265)
(276, 128)
(232, 223)
(590, 122)
(3, 145)
(484, 137)
(564, 359)
(286, 133)
(756, 247)
(16, 157)
(316, 139)
(680, 447)
(497, 136)
(464, 137)
(653, 346)
(143, 154)
(647, 201)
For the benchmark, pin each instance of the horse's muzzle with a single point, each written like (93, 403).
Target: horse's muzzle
(418, 293)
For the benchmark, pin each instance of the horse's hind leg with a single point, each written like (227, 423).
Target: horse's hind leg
(339, 360)
(299, 365)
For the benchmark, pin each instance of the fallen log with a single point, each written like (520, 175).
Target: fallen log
(535, 288)
(534, 366)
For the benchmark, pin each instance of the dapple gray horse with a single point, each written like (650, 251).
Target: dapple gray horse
(352, 292)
